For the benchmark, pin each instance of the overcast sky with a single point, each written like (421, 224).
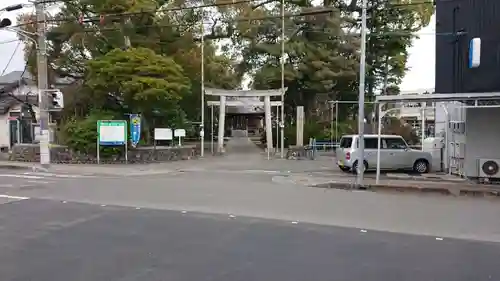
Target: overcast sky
(421, 62)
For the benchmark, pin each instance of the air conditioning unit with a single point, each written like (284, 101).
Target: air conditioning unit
(489, 168)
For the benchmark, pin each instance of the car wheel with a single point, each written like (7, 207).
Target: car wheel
(421, 166)
(344, 169)
(355, 167)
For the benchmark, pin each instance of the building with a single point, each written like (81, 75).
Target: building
(413, 113)
(457, 22)
(473, 132)
(19, 108)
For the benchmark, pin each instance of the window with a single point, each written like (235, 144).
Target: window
(345, 142)
(371, 143)
(395, 143)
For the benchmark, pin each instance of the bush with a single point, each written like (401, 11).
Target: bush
(80, 134)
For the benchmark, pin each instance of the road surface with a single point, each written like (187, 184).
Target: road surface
(58, 241)
(232, 219)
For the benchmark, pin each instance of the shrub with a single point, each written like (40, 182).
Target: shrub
(80, 134)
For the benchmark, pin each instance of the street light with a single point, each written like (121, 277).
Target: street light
(5, 23)
(12, 8)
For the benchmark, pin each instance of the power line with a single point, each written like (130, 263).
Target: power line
(173, 9)
(9, 41)
(243, 19)
(11, 58)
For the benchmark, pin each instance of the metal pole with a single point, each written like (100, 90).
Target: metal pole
(277, 127)
(202, 125)
(212, 129)
(422, 129)
(282, 79)
(331, 123)
(337, 122)
(42, 85)
(379, 132)
(361, 98)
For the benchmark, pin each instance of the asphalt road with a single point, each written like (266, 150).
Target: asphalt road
(257, 194)
(47, 240)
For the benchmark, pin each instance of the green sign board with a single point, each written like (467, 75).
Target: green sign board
(112, 132)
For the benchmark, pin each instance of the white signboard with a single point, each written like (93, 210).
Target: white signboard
(112, 132)
(180, 132)
(163, 134)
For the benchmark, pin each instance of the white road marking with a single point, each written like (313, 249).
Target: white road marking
(42, 182)
(13, 197)
(363, 231)
(231, 216)
(55, 175)
(184, 212)
(439, 238)
(20, 176)
(7, 185)
(295, 222)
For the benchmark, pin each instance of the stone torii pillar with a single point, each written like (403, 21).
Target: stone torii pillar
(222, 124)
(268, 123)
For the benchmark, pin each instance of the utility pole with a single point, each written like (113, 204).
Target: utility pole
(43, 85)
(282, 124)
(361, 98)
(202, 125)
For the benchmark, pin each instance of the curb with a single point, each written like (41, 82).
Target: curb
(15, 167)
(455, 192)
(425, 178)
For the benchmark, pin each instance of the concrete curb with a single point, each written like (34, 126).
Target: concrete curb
(452, 191)
(425, 178)
(15, 167)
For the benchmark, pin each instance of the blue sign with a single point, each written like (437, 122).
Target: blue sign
(474, 52)
(135, 129)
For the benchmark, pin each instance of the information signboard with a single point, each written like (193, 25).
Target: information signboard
(111, 133)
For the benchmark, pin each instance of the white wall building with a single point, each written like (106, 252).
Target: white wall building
(413, 113)
(12, 129)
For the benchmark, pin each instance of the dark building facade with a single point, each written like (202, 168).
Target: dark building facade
(457, 22)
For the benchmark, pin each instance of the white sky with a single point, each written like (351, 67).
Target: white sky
(421, 63)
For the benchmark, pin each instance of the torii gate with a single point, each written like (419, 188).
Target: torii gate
(222, 94)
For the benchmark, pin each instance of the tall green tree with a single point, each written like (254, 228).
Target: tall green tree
(147, 24)
(137, 80)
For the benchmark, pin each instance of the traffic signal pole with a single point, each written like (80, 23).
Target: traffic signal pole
(43, 85)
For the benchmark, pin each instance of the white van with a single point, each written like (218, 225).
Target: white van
(395, 154)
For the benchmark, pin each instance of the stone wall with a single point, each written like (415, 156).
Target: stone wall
(62, 154)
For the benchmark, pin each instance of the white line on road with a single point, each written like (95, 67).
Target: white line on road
(20, 176)
(38, 182)
(55, 175)
(13, 197)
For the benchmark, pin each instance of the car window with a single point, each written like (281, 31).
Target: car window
(395, 143)
(345, 142)
(371, 143)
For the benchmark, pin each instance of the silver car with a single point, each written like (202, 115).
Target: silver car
(395, 154)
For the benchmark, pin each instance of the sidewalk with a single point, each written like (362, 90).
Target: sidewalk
(424, 187)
